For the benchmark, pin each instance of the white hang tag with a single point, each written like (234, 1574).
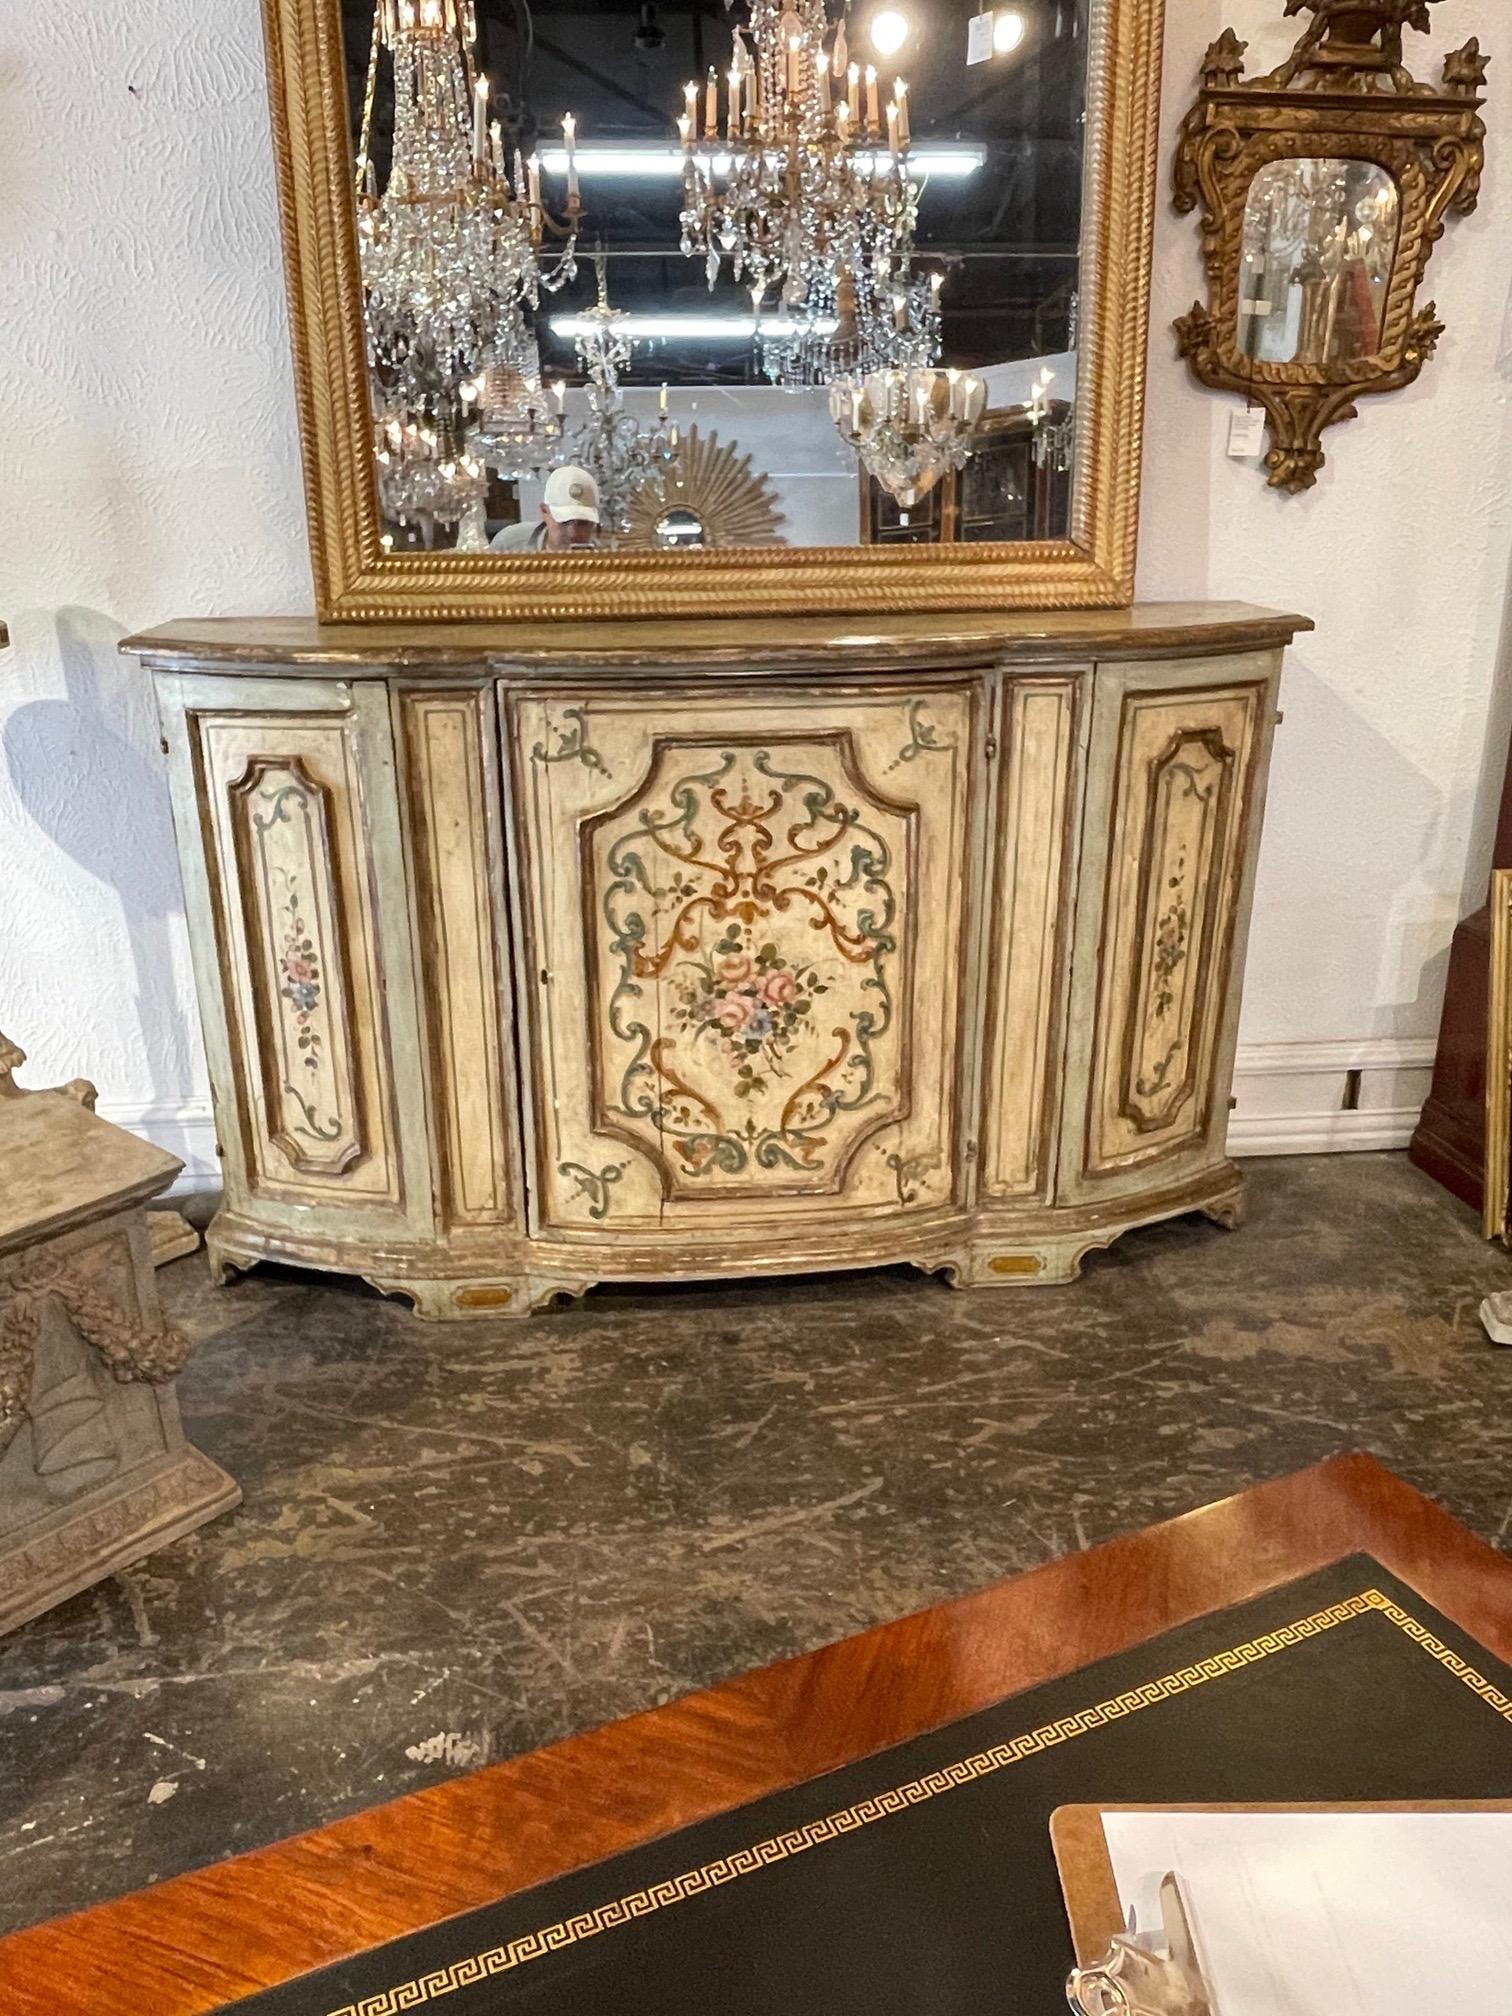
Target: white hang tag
(1246, 433)
(979, 39)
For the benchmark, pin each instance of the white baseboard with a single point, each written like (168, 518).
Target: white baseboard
(186, 1130)
(1290, 1101)
(1290, 1098)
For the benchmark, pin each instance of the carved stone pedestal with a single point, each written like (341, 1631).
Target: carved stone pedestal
(94, 1468)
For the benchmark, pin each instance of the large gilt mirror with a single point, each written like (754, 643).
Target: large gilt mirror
(893, 255)
(1323, 186)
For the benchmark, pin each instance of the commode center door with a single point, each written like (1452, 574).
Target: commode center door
(744, 944)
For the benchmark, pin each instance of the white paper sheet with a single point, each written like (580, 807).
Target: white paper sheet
(1333, 1914)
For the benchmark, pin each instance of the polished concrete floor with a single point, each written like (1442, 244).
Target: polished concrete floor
(462, 1542)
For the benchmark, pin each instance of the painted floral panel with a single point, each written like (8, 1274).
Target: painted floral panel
(301, 1004)
(749, 908)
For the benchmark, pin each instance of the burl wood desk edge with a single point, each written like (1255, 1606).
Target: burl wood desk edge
(184, 1947)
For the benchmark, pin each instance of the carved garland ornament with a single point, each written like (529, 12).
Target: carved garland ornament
(131, 1350)
(1342, 96)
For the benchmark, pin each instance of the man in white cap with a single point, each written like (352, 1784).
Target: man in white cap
(569, 517)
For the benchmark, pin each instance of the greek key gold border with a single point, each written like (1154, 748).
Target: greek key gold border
(355, 581)
(781, 1847)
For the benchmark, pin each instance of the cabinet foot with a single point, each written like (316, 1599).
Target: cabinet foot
(1042, 1263)
(456, 1301)
(1229, 1212)
(224, 1264)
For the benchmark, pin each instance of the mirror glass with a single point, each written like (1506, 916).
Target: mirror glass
(836, 245)
(679, 528)
(1320, 239)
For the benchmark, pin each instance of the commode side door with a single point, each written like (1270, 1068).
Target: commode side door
(288, 831)
(744, 911)
(1170, 834)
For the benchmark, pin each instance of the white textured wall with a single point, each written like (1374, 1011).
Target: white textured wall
(1401, 555)
(149, 469)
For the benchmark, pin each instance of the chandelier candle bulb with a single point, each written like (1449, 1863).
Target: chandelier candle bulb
(480, 123)
(873, 117)
(892, 131)
(661, 400)
(853, 91)
(734, 116)
(900, 92)
(711, 106)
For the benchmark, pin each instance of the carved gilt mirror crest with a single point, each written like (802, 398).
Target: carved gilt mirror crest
(1324, 186)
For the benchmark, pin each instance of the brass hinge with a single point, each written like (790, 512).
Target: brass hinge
(991, 747)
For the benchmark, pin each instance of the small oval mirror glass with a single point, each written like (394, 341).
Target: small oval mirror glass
(679, 527)
(1319, 244)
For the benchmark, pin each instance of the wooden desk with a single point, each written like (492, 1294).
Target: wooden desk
(187, 1946)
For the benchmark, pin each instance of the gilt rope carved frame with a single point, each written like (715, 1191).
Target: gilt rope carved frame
(1343, 93)
(355, 580)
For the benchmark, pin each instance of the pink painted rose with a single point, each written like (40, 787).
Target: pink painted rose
(732, 1012)
(735, 968)
(780, 988)
(298, 968)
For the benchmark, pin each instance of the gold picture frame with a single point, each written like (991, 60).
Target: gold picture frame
(356, 581)
(1343, 95)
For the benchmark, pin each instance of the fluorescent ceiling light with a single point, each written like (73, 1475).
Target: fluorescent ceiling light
(952, 162)
(719, 328)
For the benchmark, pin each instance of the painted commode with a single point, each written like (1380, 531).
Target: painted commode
(541, 955)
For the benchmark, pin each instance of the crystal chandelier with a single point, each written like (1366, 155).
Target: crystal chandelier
(519, 425)
(876, 324)
(425, 473)
(909, 426)
(800, 181)
(1054, 440)
(452, 250)
(1055, 444)
(611, 444)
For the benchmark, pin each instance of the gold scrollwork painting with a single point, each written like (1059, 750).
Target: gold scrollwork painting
(1323, 187)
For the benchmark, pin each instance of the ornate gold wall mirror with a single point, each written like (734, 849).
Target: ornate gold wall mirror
(1324, 186)
(580, 236)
